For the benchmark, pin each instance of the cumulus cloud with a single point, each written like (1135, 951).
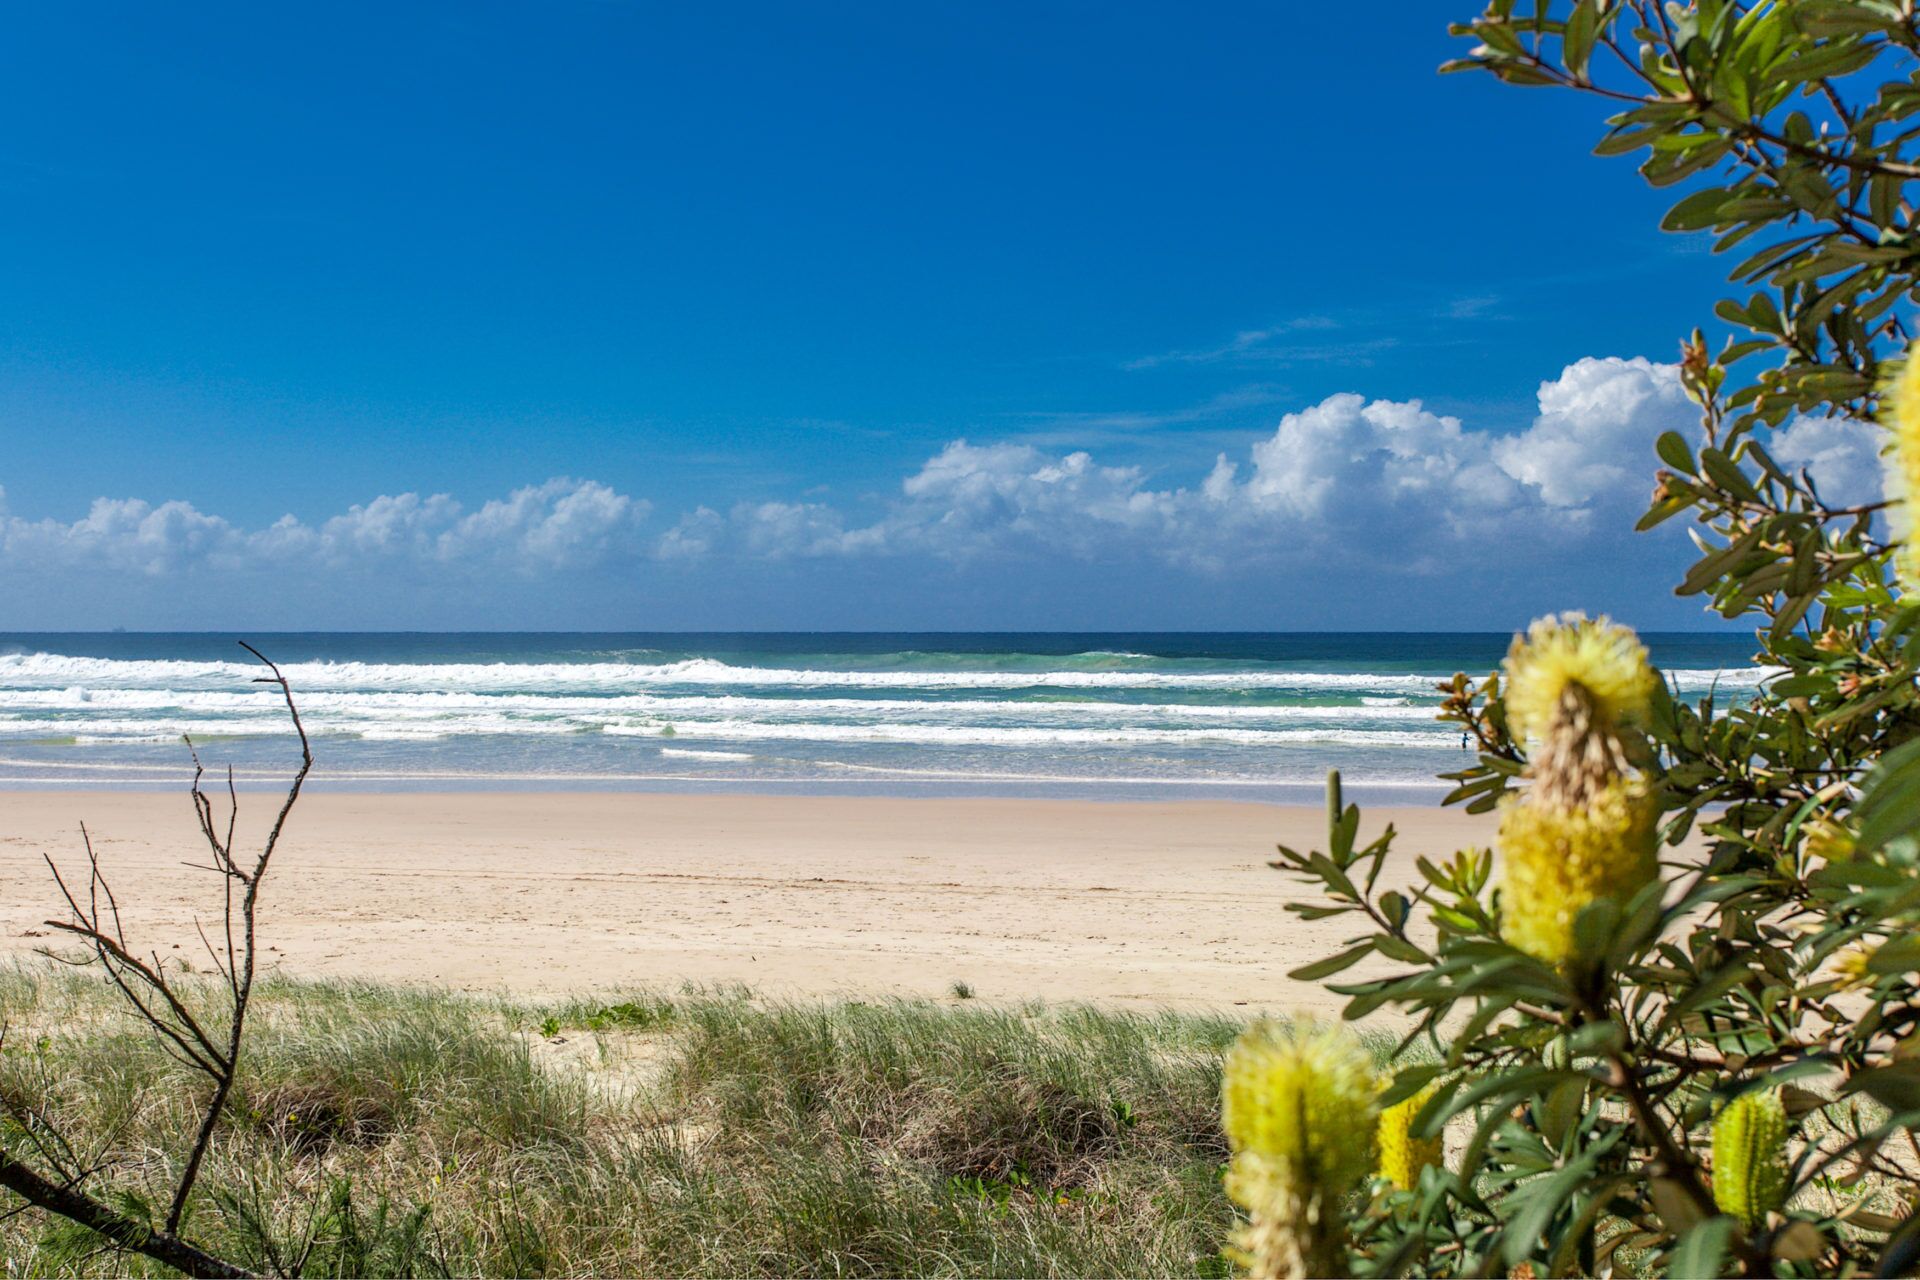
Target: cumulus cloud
(1841, 454)
(1343, 485)
(560, 524)
(1368, 479)
(1594, 437)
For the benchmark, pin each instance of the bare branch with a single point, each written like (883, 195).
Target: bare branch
(145, 986)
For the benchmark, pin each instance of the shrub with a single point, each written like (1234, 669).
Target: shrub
(1701, 1062)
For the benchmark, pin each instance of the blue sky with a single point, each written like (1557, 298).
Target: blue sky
(700, 300)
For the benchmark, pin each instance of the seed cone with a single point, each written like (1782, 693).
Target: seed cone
(1750, 1157)
(1298, 1103)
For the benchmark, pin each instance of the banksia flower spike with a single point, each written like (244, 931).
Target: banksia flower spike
(1403, 1156)
(1901, 413)
(1557, 861)
(1853, 968)
(1299, 1105)
(1750, 1157)
(1829, 841)
(1607, 662)
(1579, 688)
(1585, 829)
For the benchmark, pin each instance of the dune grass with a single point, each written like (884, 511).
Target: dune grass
(389, 1131)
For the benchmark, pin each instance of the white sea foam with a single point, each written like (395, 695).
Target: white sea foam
(61, 670)
(804, 731)
(1087, 719)
(1026, 735)
(267, 703)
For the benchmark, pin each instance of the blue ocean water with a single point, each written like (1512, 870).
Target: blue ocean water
(1246, 716)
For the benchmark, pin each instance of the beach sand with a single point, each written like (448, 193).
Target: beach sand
(1124, 903)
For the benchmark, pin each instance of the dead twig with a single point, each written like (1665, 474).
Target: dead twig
(94, 918)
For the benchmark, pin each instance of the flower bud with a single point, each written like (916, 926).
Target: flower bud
(1828, 841)
(1606, 662)
(1901, 412)
(1852, 969)
(1586, 828)
(1750, 1156)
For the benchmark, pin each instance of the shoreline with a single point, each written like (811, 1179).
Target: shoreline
(1409, 794)
(1139, 903)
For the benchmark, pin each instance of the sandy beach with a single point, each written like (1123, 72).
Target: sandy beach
(542, 893)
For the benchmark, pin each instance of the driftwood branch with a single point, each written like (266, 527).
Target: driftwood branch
(93, 917)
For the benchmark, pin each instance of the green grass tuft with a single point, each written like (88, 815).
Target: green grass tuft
(383, 1131)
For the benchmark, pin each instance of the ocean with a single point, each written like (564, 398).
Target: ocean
(1161, 716)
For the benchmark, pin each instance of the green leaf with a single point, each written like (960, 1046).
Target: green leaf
(1673, 450)
(1697, 212)
(1703, 1250)
(1543, 1200)
(1332, 964)
(1577, 44)
(1724, 472)
(1890, 806)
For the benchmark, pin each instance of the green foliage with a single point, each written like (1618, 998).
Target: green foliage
(1778, 948)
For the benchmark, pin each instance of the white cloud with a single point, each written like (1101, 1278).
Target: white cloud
(124, 534)
(1248, 343)
(1593, 440)
(560, 524)
(1841, 454)
(1348, 480)
(1350, 465)
(1348, 485)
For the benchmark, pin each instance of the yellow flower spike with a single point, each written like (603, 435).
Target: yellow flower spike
(1901, 413)
(1828, 840)
(1750, 1157)
(1403, 1156)
(1605, 663)
(1555, 862)
(1850, 967)
(1299, 1103)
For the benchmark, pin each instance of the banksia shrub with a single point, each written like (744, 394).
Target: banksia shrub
(1750, 1157)
(1585, 829)
(1299, 1106)
(1784, 929)
(1403, 1156)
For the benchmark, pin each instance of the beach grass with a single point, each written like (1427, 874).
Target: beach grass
(385, 1130)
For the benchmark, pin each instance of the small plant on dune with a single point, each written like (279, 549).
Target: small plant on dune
(1661, 1054)
(962, 990)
